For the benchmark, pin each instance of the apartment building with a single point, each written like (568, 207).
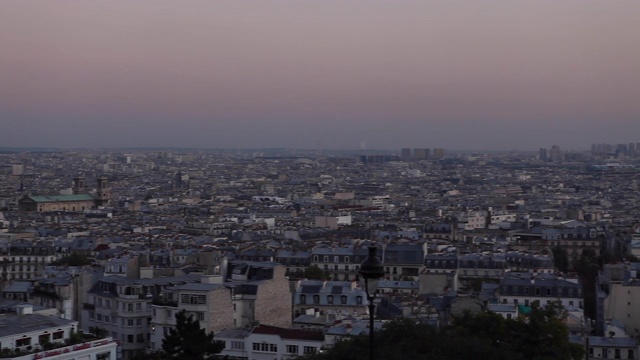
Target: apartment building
(526, 288)
(123, 308)
(20, 261)
(265, 342)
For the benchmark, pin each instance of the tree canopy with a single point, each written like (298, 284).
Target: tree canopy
(541, 335)
(189, 341)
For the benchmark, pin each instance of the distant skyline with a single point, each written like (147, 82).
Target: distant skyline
(467, 75)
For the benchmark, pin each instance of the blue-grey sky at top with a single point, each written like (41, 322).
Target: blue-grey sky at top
(484, 75)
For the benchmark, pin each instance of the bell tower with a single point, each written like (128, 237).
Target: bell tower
(104, 192)
(78, 185)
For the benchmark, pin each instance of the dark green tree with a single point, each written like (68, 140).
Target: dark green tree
(560, 258)
(73, 259)
(313, 272)
(541, 335)
(587, 268)
(189, 341)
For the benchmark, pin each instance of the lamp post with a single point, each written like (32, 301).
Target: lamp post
(371, 270)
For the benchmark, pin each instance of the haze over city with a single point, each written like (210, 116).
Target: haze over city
(469, 75)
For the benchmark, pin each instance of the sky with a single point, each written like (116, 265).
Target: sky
(331, 74)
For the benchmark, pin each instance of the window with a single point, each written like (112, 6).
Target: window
(138, 306)
(359, 300)
(130, 322)
(548, 291)
(292, 349)
(330, 299)
(130, 307)
(326, 258)
(130, 339)
(315, 258)
(98, 317)
(256, 346)
(58, 335)
(140, 338)
(346, 259)
(303, 299)
(138, 322)
(193, 299)
(23, 342)
(199, 315)
(107, 319)
(237, 345)
(309, 350)
(343, 299)
(336, 258)
(44, 338)
(316, 299)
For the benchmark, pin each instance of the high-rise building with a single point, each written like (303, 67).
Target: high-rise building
(438, 153)
(405, 153)
(421, 153)
(544, 156)
(17, 170)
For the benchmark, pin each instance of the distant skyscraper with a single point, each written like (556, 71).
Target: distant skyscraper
(420, 154)
(544, 156)
(17, 170)
(555, 154)
(405, 153)
(438, 153)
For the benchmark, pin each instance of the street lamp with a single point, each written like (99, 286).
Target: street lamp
(371, 271)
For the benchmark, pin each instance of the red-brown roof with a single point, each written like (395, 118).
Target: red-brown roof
(299, 334)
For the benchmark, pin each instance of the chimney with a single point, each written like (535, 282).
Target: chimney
(25, 309)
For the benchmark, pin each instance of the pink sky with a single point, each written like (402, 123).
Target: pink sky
(454, 74)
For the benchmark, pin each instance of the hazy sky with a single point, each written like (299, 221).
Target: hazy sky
(332, 74)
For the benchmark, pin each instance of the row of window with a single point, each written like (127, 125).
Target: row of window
(330, 299)
(114, 320)
(42, 339)
(559, 291)
(336, 258)
(527, 302)
(273, 348)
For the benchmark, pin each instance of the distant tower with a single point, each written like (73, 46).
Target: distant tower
(78, 185)
(177, 183)
(405, 154)
(104, 192)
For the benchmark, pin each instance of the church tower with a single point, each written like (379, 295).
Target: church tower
(78, 185)
(104, 192)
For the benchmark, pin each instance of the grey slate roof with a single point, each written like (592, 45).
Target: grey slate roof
(17, 324)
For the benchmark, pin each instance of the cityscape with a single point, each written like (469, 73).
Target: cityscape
(319, 180)
(263, 249)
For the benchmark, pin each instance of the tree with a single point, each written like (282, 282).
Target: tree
(314, 272)
(541, 335)
(189, 341)
(73, 259)
(560, 258)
